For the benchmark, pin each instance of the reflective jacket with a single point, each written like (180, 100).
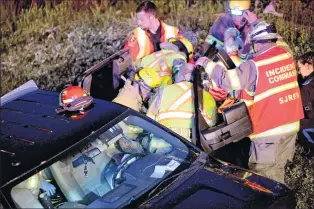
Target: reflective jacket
(173, 106)
(232, 74)
(165, 62)
(140, 44)
(271, 91)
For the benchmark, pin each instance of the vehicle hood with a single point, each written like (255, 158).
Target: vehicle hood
(208, 187)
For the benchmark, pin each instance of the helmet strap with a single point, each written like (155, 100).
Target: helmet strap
(182, 48)
(141, 83)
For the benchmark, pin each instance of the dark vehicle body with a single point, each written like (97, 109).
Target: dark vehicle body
(34, 137)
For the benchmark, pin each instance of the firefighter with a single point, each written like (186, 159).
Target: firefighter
(240, 15)
(167, 62)
(173, 55)
(235, 13)
(146, 38)
(273, 99)
(306, 82)
(173, 105)
(233, 44)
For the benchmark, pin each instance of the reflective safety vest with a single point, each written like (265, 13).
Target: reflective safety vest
(134, 129)
(145, 45)
(161, 61)
(276, 106)
(176, 108)
(210, 39)
(232, 74)
(33, 182)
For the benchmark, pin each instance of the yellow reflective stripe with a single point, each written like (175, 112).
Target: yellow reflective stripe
(208, 120)
(248, 102)
(186, 96)
(142, 40)
(210, 39)
(275, 90)
(183, 86)
(159, 57)
(251, 93)
(169, 31)
(163, 65)
(210, 67)
(237, 60)
(33, 182)
(234, 79)
(157, 143)
(245, 175)
(134, 129)
(284, 129)
(273, 59)
(179, 115)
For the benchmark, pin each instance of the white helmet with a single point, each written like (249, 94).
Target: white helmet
(262, 33)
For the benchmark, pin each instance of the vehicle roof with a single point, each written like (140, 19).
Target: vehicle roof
(32, 132)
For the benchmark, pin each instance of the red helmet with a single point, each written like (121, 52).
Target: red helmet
(73, 98)
(71, 93)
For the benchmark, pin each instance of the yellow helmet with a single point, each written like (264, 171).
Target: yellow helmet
(237, 7)
(149, 76)
(184, 45)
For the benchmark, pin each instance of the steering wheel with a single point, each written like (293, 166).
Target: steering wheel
(118, 174)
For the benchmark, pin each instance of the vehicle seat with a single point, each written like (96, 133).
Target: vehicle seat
(73, 183)
(24, 198)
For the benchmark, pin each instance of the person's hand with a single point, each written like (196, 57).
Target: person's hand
(202, 61)
(251, 17)
(47, 187)
(219, 94)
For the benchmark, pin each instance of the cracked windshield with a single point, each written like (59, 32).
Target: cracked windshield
(116, 165)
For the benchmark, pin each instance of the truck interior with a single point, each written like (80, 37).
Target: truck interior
(93, 174)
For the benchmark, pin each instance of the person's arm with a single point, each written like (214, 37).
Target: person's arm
(132, 44)
(307, 95)
(216, 32)
(154, 104)
(177, 65)
(246, 73)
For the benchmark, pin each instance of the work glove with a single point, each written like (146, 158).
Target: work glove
(219, 94)
(185, 73)
(47, 187)
(202, 61)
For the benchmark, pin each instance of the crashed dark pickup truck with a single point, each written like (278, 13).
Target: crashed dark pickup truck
(72, 153)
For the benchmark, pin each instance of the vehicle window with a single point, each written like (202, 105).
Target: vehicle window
(130, 157)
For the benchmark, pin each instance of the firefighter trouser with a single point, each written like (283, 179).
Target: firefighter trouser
(269, 155)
